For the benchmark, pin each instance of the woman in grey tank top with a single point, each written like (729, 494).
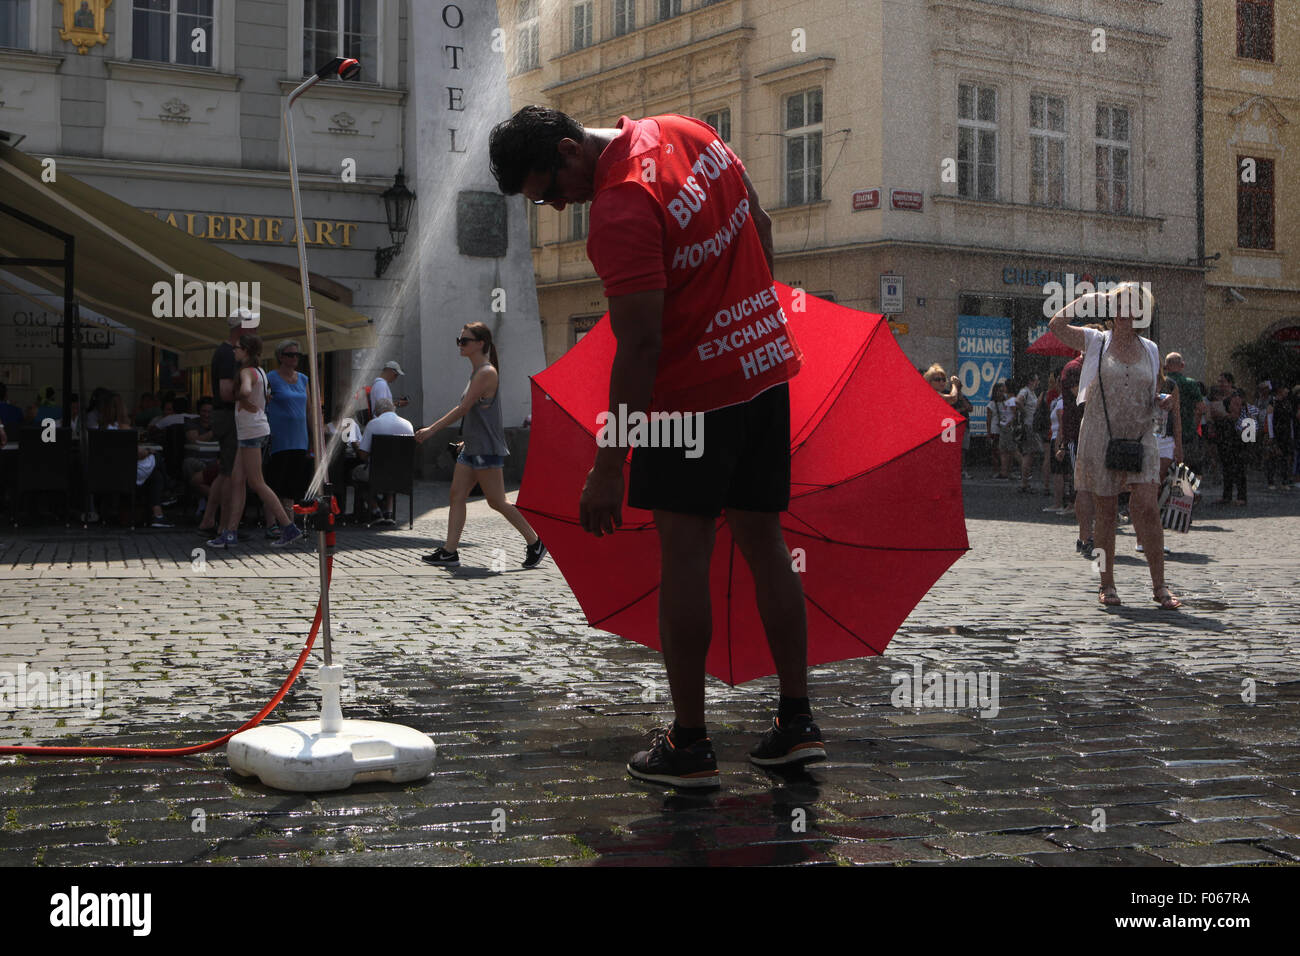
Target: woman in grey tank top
(483, 451)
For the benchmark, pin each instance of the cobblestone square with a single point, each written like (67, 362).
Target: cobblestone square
(1129, 737)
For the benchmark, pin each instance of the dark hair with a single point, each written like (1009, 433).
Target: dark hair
(1228, 376)
(252, 344)
(205, 400)
(484, 334)
(529, 143)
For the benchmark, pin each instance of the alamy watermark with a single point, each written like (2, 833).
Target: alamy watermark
(192, 299)
(56, 690)
(1134, 300)
(946, 691)
(624, 429)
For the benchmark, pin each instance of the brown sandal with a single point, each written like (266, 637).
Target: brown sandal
(1168, 602)
(1104, 594)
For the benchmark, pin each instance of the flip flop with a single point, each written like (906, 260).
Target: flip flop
(1168, 602)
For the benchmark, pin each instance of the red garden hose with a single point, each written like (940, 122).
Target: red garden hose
(198, 748)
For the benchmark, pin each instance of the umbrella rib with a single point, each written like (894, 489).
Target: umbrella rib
(833, 393)
(814, 488)
(636, 600)
(831, 617)
(563, 519)
(818, 533)
(731, 570)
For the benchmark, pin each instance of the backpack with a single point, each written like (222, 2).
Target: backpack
(1042, 423)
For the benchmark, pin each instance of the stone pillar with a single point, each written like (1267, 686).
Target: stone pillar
(470, 246)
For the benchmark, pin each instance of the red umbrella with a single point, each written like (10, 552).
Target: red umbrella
(1049, 344)
(875, 513)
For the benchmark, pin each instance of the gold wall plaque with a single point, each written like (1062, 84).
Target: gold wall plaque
(83, 23)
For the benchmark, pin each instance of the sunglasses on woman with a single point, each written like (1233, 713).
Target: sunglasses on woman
(465, 341)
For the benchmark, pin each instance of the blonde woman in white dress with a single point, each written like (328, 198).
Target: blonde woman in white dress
(1125, 368)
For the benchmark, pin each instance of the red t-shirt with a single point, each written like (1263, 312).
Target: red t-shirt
(671, 212)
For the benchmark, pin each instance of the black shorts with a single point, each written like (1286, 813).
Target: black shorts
(745, 463)
(1061, 467)
(223, 431)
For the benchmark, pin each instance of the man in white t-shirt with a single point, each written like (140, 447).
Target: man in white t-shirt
(380, 389)
(385, 422)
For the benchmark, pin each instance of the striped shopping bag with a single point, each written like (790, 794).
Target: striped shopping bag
(1177, 498)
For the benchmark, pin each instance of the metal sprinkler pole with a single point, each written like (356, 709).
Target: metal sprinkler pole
(326, 499)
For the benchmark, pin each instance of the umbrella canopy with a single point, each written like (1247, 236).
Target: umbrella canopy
(1049, 344)
(875, 514)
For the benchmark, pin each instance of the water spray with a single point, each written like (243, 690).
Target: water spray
(328, 753)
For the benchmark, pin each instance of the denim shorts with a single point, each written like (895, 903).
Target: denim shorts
(257, 442)
(482, 461)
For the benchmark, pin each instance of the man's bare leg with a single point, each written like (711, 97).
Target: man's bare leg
(779, 594)
(685, 613)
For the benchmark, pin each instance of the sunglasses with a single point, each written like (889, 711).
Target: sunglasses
(290, 354)
(552, 193)
(465, 341)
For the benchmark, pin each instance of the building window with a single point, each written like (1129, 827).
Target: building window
(333, 28)
(624, 17)
(165, 31)
(1047, 139)
(579, 221)
(582, 24)
(1112, 159)
(1255, 206)
(977, 142)
(15, 24)
(664, 9)
(720, 121)
(1255, 30)
(803, 147)
(527, 37)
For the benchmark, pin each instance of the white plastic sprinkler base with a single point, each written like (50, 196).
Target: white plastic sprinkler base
(330, 753)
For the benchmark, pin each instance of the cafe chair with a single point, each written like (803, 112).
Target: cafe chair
(44, 466)
(113, 460)
(392, 469)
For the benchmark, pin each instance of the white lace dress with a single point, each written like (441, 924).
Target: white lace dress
(1131, 405)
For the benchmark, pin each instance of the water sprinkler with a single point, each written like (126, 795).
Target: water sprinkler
(329, 753)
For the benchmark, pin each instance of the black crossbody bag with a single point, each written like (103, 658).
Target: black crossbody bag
(1122, 454)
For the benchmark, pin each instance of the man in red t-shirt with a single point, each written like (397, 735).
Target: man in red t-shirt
(684, 250)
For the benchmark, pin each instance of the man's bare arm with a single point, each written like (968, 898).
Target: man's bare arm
(637, 322)
(762, 222)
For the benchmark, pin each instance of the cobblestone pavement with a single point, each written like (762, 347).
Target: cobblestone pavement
(1177, 731)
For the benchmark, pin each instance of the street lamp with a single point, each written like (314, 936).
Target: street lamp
(398, 203)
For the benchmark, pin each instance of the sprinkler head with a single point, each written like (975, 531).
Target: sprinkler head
(345, 69)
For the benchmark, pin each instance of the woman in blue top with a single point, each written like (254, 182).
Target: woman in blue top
(286, 410)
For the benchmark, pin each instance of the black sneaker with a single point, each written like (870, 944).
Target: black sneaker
(687, 767)
(387, 520)
(533, 557)
(1087, 550)
(799, 742)
(1078, 546)
(443, 558)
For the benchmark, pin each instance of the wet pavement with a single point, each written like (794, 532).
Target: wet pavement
(1133, 737)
